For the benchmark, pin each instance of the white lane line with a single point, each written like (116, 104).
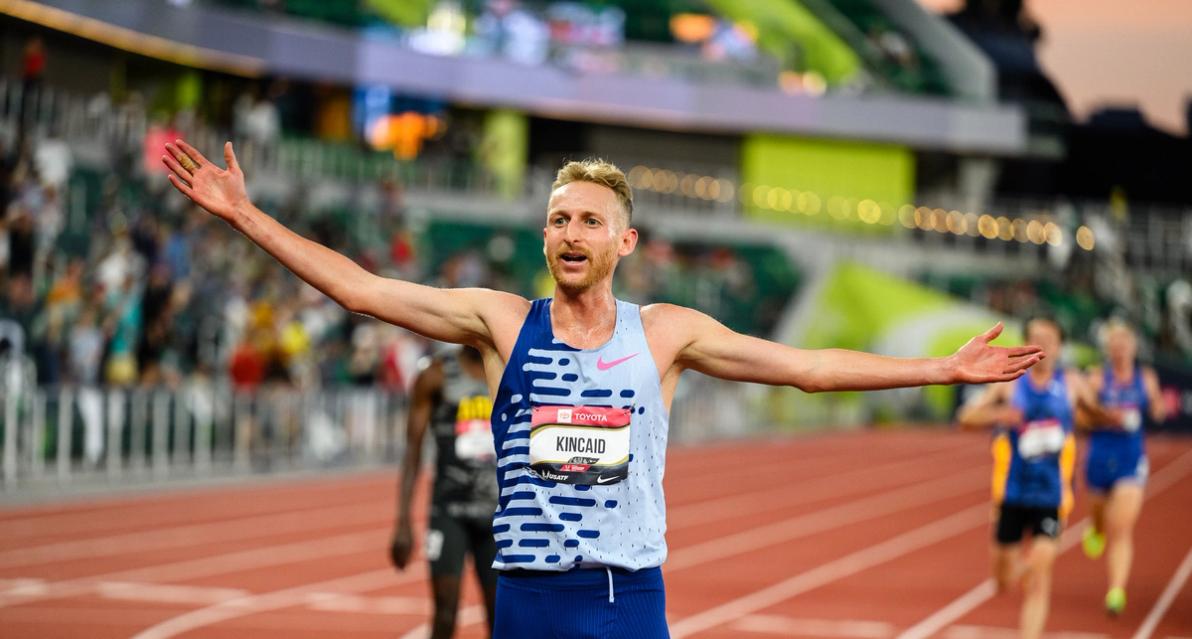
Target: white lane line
(819, 521)
(23, 587)
(820, 488)
(991, 632)
(189, 535)
(985, 590)
(323, 601)
(470, 615)
(374, 540)
(394, 606)
(166, 593)
(834, 570)
(809, 460)
(92, 518)
(789, 626)
(253, 604)
(1169, 593)
(956, 609)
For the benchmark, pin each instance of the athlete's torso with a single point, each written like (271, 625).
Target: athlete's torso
(1032, 462)
(465, 458)
(581, 443)
(1130, 398)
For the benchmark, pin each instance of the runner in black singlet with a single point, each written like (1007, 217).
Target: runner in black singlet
(450, 396)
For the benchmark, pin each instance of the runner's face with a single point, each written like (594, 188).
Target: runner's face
(1046, 335)
(585, 235)
(1120, 345)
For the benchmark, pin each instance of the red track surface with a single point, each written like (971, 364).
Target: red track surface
(863, 535)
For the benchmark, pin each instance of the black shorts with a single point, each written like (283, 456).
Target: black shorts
(1013, 521)
(449, 538)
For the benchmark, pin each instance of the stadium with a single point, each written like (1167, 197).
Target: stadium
(213, 419)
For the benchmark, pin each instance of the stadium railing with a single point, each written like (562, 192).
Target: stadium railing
(73, 434)
(58, 437)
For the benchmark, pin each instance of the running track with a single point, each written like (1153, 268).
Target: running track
(861, 535)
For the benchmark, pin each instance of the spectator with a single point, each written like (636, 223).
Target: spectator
(21, 242)
(54, 160)
(247, 368)
(123, 308)
(33, 66)
(85, 345)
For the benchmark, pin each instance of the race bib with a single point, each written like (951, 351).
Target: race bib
(1131, 418)
(1040, 438)
(580, 444)
(473, 430)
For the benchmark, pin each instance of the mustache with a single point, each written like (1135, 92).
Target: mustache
(571, 249)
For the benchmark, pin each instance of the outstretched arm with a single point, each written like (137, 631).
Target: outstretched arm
(426, 386)
(453, 315)
(714, 349)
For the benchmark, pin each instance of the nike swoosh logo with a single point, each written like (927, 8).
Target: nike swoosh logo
(603, 365)
(604, 480)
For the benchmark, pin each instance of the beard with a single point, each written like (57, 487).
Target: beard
(600, 266)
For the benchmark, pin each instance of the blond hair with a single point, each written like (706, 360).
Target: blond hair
(597, 171)
(1115, 324)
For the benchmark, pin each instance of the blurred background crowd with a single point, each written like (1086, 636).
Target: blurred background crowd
(770, 145)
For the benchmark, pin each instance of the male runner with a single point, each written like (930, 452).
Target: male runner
(451, 396)
(1034, 453)
(582, 385)
(1117, 466)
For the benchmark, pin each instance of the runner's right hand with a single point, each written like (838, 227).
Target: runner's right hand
(1010, 416)
(401, 546)
(218, 190)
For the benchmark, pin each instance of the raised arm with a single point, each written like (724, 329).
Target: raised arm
(427, 386)
(714, 349)
(464, 316)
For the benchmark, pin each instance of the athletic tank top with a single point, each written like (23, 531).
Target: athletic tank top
(1033, 462)
(465, 458)
(1129, 397)
(581, 446)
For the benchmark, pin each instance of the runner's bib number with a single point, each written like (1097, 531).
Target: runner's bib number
(1131, 418)
(473, 430)
(580, 444)
(1040, 438)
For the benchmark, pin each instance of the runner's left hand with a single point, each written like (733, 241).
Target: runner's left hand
(401, 547)
(979, 362)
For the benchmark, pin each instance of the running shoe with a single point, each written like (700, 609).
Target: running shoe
(1115, 601)
(1093, 542)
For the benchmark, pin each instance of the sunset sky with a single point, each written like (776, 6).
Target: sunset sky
(1119, 52)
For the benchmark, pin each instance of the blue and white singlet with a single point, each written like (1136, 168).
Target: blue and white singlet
(1033, 462)
(1119, 454)
(581, 450)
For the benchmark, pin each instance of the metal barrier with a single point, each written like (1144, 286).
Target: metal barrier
(71, 434)
(85, 434)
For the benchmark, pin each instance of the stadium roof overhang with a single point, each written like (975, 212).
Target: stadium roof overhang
(250, 44)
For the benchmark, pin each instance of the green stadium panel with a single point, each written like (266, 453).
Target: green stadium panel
(831, 184)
